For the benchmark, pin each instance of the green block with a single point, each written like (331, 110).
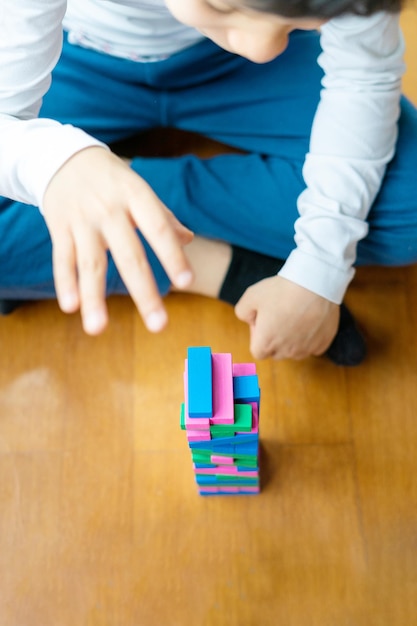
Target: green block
(200, 457)
(182, 416)
(242, 423)
(246, 459)
(249, 462)
(243, 417)
(244, 480)
(204, 456)
(221, 430)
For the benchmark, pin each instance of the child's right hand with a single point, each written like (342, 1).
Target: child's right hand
(94, 203)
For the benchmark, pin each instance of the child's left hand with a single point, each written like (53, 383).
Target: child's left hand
(287, 321)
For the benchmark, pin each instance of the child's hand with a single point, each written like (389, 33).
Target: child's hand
(93, 204)
(286, 320)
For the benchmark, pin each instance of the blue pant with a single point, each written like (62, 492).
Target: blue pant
(246, 199)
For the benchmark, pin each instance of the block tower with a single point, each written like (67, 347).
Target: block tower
(220, 415)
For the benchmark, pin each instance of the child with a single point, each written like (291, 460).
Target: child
(315, 116)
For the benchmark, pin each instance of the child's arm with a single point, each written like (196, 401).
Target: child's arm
(31, 149)
(353, 139)
(90, 199)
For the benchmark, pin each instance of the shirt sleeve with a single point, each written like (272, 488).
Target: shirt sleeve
(31, 149)
(353, 138)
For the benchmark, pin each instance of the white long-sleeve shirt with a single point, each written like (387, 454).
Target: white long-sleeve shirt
(353, 135)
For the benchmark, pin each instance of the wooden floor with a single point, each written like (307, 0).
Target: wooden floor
(100, 524)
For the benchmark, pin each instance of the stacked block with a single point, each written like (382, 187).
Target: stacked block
(220, 415)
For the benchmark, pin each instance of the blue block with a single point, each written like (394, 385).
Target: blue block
(246, 388)
(236, 443)
(225, 449)
(200, 382)
(250, 448)
(213, 481)
(239, 493)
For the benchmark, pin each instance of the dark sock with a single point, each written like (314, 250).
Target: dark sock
(348, 347)
(247, 268)
(8, 306)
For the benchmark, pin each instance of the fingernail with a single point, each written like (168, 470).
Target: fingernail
(156, 321)
(94, 322)
(184, 279)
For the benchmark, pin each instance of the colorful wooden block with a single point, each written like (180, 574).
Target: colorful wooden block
(225, 481)
(255, 418)
(204, 465)
(225, 470)
(247, 491)
(218, 460)
(198, 435)
(242, 422)
(205, 456)
(182, 416)
(244, 369)
(223, 412)
(220, 444)
(195, 423)
(200, 382)
(246, 388)
(250, 448)
(223, 438)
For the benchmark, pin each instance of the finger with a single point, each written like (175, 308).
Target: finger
(184, 234)
(245, 311)
(135, 271)
(157, 229)
(260, 351)
(64, 271)
(262, 346)
(92, 268)
(266, 344)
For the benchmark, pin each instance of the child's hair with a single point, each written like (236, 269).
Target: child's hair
(324, 8)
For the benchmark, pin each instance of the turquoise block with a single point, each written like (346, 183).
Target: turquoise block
(200, 382)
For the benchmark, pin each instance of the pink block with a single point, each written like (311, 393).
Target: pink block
(223, 409)
(221, 460)
(244, 369)
(198, 435)
(225, 470)
(229, 489)
(193, 423)
(190, 425)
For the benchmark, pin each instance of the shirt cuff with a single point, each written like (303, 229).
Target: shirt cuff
(73, 140)
(36, 150)
(317, 276)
